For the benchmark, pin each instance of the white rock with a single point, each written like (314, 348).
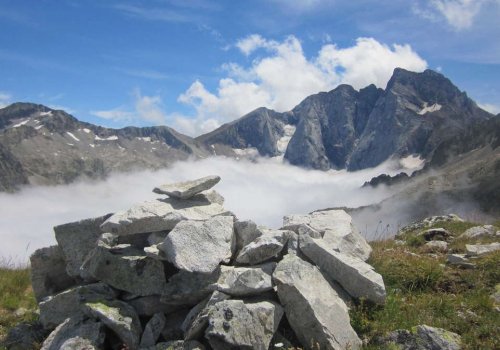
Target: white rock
(357, 277)
(159, 215)
(337, 230)
(313, 308)
(263, 248)
(75, 333)
(199, 246)
(479, 231)
(185, 190)
(481, 249)
(437, 246)
(245, 281)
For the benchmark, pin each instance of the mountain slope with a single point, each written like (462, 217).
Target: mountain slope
(349, 129)
(39, 145)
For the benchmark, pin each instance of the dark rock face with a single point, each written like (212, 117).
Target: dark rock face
(349, 129)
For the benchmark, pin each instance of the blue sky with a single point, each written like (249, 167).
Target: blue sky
(195, 64)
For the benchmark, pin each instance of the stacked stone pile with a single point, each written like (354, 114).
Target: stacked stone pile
(181, 272)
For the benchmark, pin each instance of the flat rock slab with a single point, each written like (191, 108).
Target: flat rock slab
(336, 228)
(48, 272)
(126, 268)
(196, 320)
(245, 281)
(234, 324)
(200, 246)
(160, 215)
(357, 277)
(152, 330)
(185, 190)
(55, 309)
(263, 248)
(481, 249)
(479, 231)
(76, 333)
(118, 316)
(77, 239)
(313, 308)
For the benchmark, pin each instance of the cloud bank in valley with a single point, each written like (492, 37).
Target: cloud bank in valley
(262, 191)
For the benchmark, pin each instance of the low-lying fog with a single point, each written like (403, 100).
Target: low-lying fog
(263, 191)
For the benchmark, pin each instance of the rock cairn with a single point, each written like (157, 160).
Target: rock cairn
(181, 272)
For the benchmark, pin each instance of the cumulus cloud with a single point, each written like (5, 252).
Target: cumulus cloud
(146, 109)
(4, 99)
(262, 191)
(282, 75)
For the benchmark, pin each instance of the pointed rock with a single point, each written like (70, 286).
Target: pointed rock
(336, 228)
(76, 333)
(118, 316)
(196, 320)
(126, 268)
(245, 281)
(48, 272)
(77, 239)
(357, 277)
(186, 190)
(234, 324)
(160, 215)
(313, 308)
(199, 246)
(263, 248)
(153, 329)
(55, 309)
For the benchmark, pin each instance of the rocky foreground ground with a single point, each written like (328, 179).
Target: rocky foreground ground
(181, 272)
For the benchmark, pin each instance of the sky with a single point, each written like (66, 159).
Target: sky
(196, 64)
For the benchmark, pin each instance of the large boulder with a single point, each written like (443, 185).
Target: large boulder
(199, 246)
(126, 268)
(313, 308)
(76, 333)
(48, 272)
(196, 320)
(118, 316)
(245, 281)
(187, 189)
(358, 278)
(55, 309)
(160, 215)
(337, 230)
(265, 247)
(479, 231)
(76, 240)
(234, 324)
(189, 288)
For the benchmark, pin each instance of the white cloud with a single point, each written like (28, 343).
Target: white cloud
(492, 108)
(146, 109)
(5, 99)
(302, 5)
(284, 76)
(250, 191)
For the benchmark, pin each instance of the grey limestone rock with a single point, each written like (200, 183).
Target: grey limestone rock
(152, 330)
(160, 215)
(479, 231)
(481, 249)
(118, 316)
(441, 246)
(199, 246)
(76, 333)
(48, 272)
(460, 260)
(246, 232)
(196, 320)
(55, 309)
(236, 324)
(245, 281)
(313, 308)
(187, 189)
(76, 240)
(423, 337)
(263, 248)
(336, 228)
(126, 268)
(357, 277)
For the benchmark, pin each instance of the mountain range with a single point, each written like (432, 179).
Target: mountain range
(419, 115)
